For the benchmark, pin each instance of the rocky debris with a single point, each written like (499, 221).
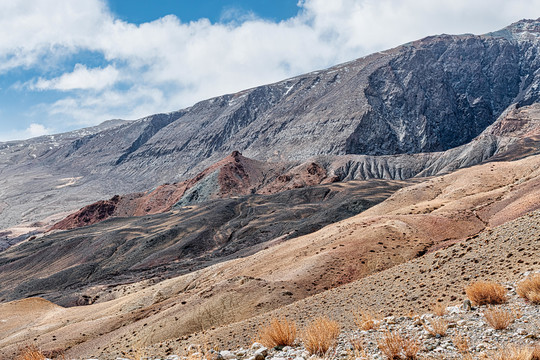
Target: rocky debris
(465, 325)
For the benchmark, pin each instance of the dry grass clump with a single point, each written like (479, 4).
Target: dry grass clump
(498, 318)
(439, 309)
(358, 351)
(278, 333)
(320, 335)
(535, 355)
(461, 343)
(437, 327)
(30, 352)
(513, 353)
(396, 347)
(486, 293)
(530, 288)
(365, 320)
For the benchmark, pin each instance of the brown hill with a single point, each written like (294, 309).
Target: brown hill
(129, 249)
(516, 134)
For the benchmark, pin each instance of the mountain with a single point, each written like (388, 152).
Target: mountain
(421, 98)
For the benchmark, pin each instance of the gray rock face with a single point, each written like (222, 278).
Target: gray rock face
(424, 97)
(437, 95)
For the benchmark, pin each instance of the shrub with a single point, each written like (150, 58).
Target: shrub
(30, 352)
(278, 333)
(535, 352)
(513, 353)
(437, 327)
(390, 345)
(461, 343)
(365, 320)
(395, 347)
(498, 318)
(357, 351)
(530, 288)
(439, 309)
(320, 335)
(486, 292)
(410, 349)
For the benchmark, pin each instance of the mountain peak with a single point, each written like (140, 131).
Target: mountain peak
(522, 30)
(236, 155)
(525, 25)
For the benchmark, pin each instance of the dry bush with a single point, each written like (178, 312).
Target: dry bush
(395, 347)
(30, 352)
(513, 353)
(278, 333)
(214, 313)
(498, 318)
(358, 351)
(320, 335)
(390, 345)
(439, 309)
(486, 292)
(365, 320)
(535, 352)
(437, 327)
(411, 347)
(530, 288)
(461, 343)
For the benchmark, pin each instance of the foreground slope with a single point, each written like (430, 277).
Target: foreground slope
(415, 220)
(504, 254)
(427, 96)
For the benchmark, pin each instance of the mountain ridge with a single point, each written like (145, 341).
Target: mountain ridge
(365, 106)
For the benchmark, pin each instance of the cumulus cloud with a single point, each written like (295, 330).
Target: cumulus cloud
(166, 64)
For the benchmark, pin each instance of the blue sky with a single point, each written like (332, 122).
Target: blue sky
(140, 11)
(69, 64)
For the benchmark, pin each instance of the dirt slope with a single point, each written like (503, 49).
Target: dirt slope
(501, 254)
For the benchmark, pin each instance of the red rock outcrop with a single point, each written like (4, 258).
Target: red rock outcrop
(235, 175)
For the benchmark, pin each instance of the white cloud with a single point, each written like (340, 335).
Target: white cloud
(31, 131)
(84, 109)
(165, 64)
(80, 78)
